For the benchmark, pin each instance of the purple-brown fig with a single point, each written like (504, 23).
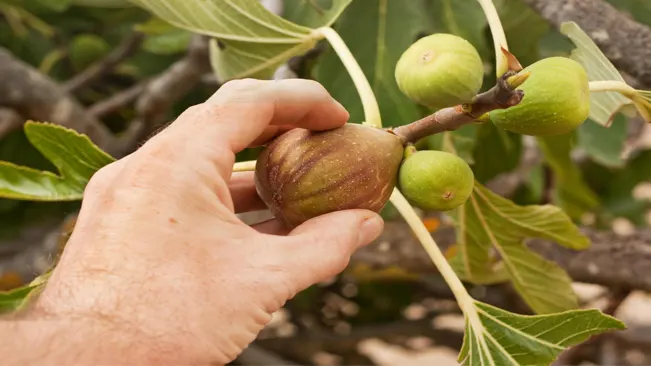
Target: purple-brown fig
(303, 174)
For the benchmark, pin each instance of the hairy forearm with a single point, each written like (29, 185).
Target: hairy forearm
(42, 340)
(37, 338)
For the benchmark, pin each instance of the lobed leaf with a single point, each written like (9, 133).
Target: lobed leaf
(490, 234)
(75, 157)
(504, 338)
(603, 105)
(249, 40)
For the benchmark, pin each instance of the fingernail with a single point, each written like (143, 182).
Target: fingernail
(370, 229)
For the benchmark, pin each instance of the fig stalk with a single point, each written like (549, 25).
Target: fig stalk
(501, 96)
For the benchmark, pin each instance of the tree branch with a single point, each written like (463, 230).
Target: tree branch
(128, 47)
(117, 101)
(612, 260)
(166, 89)
(35, 96)
(623, 40)
(501, 96)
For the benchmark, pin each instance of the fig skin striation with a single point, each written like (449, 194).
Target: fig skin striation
(556, 101)
(439, 71)
(303, 174)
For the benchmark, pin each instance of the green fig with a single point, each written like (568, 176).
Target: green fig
(440, 70)
(436, 180)
(303, 174)
(556, 100)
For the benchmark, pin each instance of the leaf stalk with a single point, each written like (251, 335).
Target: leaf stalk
(369, 102)
(499, 37)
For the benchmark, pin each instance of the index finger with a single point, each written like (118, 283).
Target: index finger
(240, 111)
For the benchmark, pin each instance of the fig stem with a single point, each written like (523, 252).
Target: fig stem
(464, 300)
(503, 95)
(369, 102)
(499, 37)
(612, 85)
(244, 166)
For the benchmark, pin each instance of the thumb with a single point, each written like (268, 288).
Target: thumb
(321, 247)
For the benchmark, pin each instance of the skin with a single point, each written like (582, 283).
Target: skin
(160, 270)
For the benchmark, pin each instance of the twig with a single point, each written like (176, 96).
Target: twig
(128, 47)
(501, 96)
(623, 40)
(117, 101)
(170, 86)
(35, 96)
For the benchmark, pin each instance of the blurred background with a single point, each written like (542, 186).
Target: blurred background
(119, 74)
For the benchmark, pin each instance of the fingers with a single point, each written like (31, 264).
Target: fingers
(245, 197)
(241, 112)
(322, 247)
(246, 107)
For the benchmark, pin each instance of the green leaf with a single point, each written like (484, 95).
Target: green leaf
(234, 60)
(640, 10)
(12, 300)
(523, 28)
(254, 41)
(616, 192)
(604, 145)
(236, 20)
(464, 18)
(377, 34)
(463, 141)
(571, 192)
(102, 3)
(86, 49)
(56, 5)
(603, 105)
(504, 338)
(75, 157)
(497, 151)
(168, 43)
(490, 234)
(314, 13)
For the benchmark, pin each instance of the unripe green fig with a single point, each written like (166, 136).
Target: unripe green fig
(556, 100)
(303, 174)
(440, 70)
(436, 180)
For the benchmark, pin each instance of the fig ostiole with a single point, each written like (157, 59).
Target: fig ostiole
(439, 71)
(436, 180)
(303, 174)
(556, 100)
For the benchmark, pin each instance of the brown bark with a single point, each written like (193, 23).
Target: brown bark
(623, 40)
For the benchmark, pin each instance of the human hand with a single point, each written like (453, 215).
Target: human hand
(160, 265)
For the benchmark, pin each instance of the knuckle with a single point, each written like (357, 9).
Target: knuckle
(149, 166)
(101, 180)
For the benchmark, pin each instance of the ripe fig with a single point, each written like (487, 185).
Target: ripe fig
(556, 101)
(303, 174)
(440, 70)
(436, 180)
